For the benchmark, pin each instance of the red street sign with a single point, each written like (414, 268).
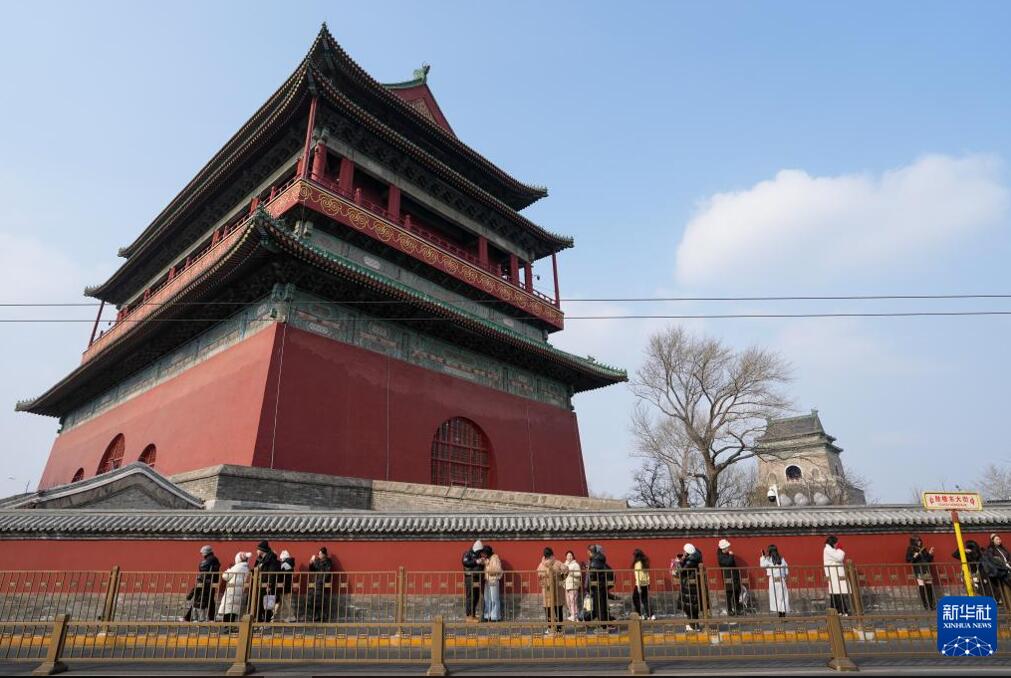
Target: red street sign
(953, 501)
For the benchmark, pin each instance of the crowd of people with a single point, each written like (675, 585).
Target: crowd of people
(581, 591)
(572, 589)
(277, 573)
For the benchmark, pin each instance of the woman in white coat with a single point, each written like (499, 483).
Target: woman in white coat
(235, 578)
(776, 569)
(834, 560)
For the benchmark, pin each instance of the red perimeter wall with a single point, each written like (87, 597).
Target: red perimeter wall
(445, 555)
(289, 399)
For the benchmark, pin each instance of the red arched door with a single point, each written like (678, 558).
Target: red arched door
(461, 455)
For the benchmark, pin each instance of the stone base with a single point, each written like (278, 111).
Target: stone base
(229, 487)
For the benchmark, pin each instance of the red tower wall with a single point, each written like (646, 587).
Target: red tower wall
(208, 414)
(342, 410)
(347, 411)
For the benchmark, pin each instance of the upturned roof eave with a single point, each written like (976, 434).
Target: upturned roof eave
(285, 96)
(338, 98)
(287, 93)
(605, 375)
(533, 193)
(44, 404)
(597, 375)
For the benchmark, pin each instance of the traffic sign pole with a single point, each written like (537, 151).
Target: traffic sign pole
(966, 574)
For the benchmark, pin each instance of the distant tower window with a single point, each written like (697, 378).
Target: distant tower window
(461, 455)
(113, 457)
(78, 475)
(149, 455)
(793, 473)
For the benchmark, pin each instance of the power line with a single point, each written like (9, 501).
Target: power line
(695, 316)
(851, 297)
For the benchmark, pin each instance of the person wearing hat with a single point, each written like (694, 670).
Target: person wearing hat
(322, 584)
(233, 603)
(686, 567)
(268, 565)
(201, 596)
(731, 577)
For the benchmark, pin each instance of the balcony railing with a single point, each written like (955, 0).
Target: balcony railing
(404, 221)
(182, 272)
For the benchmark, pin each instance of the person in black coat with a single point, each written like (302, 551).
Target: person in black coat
(686, 567)
(269, 565)
(599, 578)
(201, 596)
(731, 577)
(473, 580)
(996, 564)
(920, 557)
(322, 584)
(973, 558)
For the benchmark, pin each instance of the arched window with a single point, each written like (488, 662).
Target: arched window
(113, 457)
(793, 473)
(149, 455)
(78, 475)
(461, 455)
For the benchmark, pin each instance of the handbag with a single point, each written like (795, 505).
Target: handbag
(269, 601)
(588, 603)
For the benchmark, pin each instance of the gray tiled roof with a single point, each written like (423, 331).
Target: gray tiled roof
(793, 427)
(137, 470)
(82, 523)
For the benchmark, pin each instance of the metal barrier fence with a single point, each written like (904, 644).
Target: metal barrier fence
(402, 596)
(636, 643)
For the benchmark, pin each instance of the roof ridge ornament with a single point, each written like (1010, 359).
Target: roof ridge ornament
(422, 73)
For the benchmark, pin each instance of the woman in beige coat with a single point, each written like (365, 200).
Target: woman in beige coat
(551, 574)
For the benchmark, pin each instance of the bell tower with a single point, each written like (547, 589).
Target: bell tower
(803, 463)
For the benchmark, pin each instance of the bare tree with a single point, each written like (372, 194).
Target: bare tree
(718, 399)
(651, 486)
(994, 483)
(671, 461)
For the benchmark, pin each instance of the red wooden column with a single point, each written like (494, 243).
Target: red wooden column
(347, 178)
(393, 203)
(482, 250)
(304, 162)
(528, 270)
(554, 271)
(319, 160)
(514, 269)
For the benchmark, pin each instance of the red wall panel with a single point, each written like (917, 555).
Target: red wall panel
(348, 411)
(208, 414)
(445, 555)
(290, 399)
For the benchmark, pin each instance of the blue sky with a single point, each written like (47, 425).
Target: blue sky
(690, 149)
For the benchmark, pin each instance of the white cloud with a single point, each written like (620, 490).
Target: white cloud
(801, 228)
